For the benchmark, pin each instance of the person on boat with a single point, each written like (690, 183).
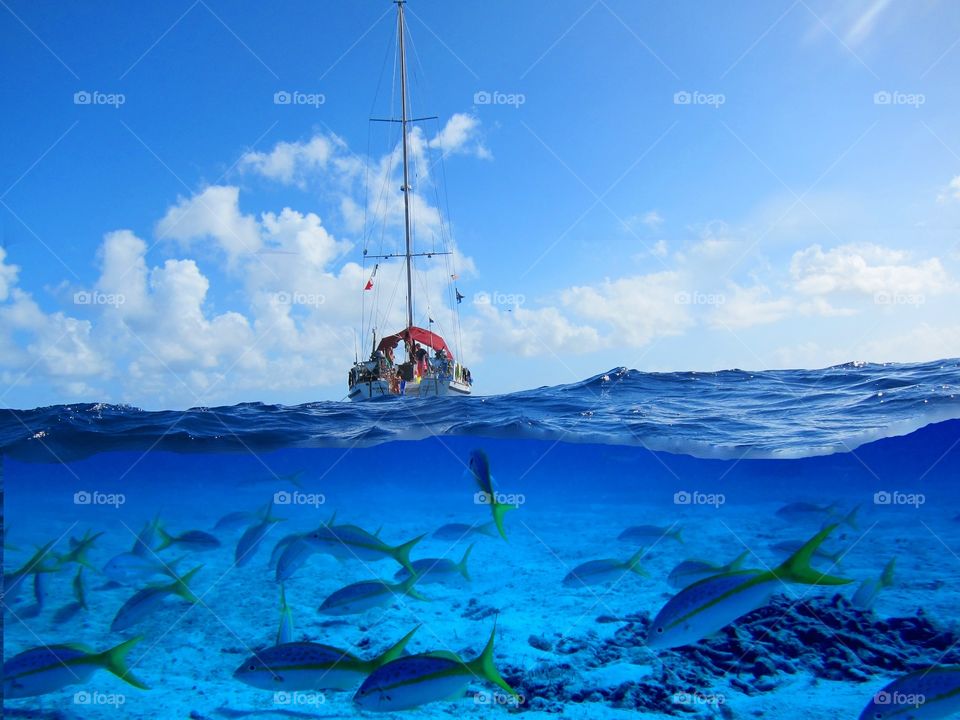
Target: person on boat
(421, 356)
(389, 356)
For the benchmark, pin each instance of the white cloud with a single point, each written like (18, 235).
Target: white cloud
(290, 162)
(461, 135)
(951, 191)
(865, 269)
(213, 213)
(8, 275)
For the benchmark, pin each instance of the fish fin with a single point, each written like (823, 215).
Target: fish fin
(886, 578)
(332, 520)
(462, 565)
(738, 561)
(796, 568)
(401, 553)
(379, 530)
(181, 586)
(407, 587)
(115, 660)
(499, 510)
(850, 519)
(678, 535)
(394, 651)
(633, 564)
(166, 539)
(295, 478)
(484, 666)
(285, 630)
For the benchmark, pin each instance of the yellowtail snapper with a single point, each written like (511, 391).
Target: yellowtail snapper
(414, 680)
(50, 668)
(705, 607)
(362, 596)
(145, 601)
(301, 666)
(438, 571)
(690, 571)
(597, 572)
(480, 469)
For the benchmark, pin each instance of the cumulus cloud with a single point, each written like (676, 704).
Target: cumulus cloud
(290, 162)
(213, 214)
(865, 269)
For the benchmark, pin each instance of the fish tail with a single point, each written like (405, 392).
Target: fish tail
(484, 666)
(462, 565)
(407, 587)
(394, 651)
(499, 510)
(633, 564)
(401, 553)
(115, 660)
(739, 560)
(181, 586)
(166, 539)
(886, 578)
(797, 567)
(850, 518)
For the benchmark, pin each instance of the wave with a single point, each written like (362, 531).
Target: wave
(723, 414)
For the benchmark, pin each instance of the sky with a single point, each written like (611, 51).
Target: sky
(187, 188)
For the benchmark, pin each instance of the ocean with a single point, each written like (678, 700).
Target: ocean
(108, 510)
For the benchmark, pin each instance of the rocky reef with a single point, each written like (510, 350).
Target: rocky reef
(828, 639)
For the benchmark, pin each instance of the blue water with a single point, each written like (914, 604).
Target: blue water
(714, 455)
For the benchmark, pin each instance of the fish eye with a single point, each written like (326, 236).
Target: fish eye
(252, 667)
(660, 630)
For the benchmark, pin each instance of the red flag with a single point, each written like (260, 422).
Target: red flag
(369, 285)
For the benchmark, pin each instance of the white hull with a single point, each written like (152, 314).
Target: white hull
(428, 387)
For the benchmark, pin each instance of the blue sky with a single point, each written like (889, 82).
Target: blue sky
(664, 186)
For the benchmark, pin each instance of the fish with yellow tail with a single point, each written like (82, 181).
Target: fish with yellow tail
(304, 666)
(867, 593)
(144, 602)
(487, 495)
(362, 596)
(414, 680)
(49, 668)
(707, 606)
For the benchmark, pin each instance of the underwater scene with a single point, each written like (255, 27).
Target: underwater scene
(638, 545)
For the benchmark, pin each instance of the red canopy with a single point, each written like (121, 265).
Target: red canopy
(415, 334)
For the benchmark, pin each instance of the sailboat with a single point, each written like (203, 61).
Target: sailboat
(413, 361)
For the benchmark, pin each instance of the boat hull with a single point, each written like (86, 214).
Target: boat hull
(427, 387)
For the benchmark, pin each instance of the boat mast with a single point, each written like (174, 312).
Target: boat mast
(406, 170)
